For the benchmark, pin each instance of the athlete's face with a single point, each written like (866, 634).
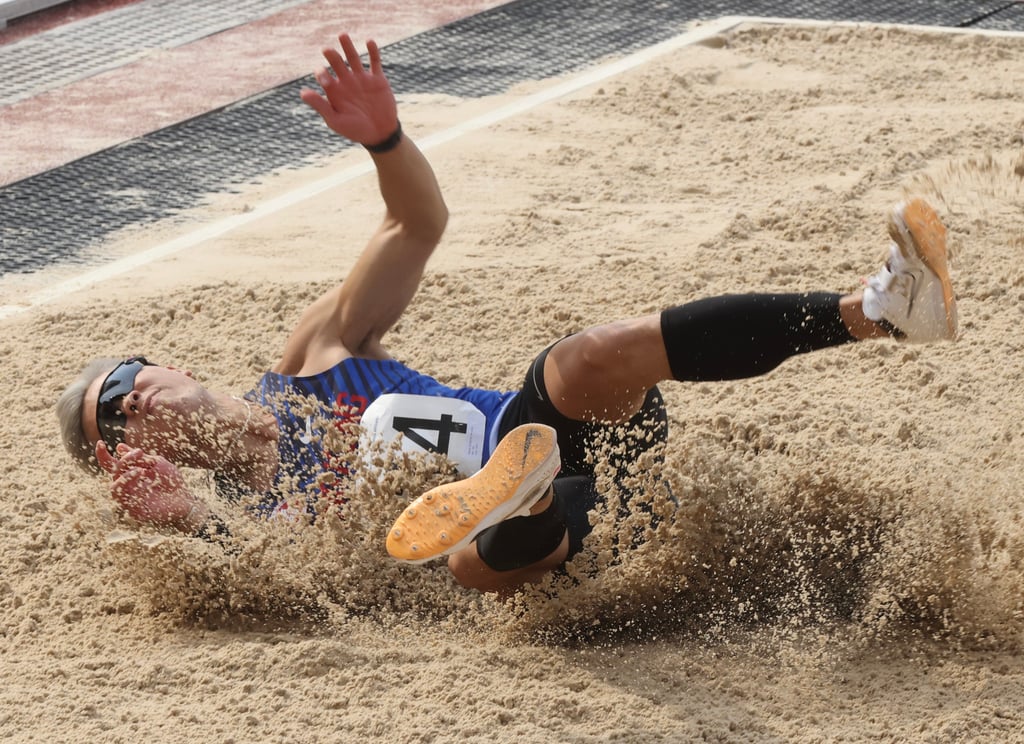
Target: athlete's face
(162, 410)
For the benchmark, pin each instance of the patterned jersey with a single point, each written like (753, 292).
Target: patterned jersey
(342, 394)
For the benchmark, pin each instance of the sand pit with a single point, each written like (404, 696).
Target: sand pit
(847, 560)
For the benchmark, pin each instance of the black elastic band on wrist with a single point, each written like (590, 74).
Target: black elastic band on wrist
(389, 144)
(215, 532)
(212, 528)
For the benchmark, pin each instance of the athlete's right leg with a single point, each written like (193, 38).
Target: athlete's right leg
(517, 551)
(522, 550)
(508, 524)
(604, 373)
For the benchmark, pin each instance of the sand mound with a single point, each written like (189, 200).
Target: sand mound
(837, 554)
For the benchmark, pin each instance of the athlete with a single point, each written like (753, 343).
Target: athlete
(521, 509)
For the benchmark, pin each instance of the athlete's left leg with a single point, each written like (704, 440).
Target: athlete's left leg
(605, 372)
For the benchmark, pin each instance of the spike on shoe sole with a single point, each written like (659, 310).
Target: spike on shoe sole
(446, 519)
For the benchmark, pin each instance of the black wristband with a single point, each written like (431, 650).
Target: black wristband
(389, 144)
(212, 528)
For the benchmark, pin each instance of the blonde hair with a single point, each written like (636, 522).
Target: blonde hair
(69, 413)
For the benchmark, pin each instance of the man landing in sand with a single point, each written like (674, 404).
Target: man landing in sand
(524, 511)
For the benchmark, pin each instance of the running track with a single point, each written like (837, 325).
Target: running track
(118, 112)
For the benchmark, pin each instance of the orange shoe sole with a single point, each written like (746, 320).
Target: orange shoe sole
(918, 227)
(448, 518)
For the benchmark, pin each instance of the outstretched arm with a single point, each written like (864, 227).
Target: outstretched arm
(151, 489)
(352, 318)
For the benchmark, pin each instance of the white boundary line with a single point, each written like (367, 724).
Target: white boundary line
(571, 85)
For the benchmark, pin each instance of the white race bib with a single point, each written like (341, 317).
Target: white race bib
(447, 426)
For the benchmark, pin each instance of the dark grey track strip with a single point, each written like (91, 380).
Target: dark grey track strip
(90, 46)
(57, 215)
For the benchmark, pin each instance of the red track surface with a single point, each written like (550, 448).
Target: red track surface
(171, 85)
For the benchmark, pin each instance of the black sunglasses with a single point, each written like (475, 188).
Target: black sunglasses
(110, 419)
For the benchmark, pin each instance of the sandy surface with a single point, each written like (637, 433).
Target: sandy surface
(846, 563)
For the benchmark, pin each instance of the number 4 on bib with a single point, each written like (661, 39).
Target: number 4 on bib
(445, 426)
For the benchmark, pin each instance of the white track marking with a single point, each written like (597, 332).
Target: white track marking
(571, 85)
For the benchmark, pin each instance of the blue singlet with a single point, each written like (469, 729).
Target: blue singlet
(343, 392)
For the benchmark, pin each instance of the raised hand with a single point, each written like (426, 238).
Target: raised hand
(356, 103)
(151, 489)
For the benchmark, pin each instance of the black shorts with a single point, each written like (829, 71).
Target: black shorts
(575, 489)
(647, 429)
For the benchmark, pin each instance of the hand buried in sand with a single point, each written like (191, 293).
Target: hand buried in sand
(150, 489)
(356, 104)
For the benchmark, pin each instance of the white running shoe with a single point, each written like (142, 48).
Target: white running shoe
(446, 519)
(912, 293)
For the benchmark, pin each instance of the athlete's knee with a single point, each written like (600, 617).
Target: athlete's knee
(471, 572)
(512, 552)
(600, 351)
(467, 568)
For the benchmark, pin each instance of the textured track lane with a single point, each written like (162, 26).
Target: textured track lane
(57, 215)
